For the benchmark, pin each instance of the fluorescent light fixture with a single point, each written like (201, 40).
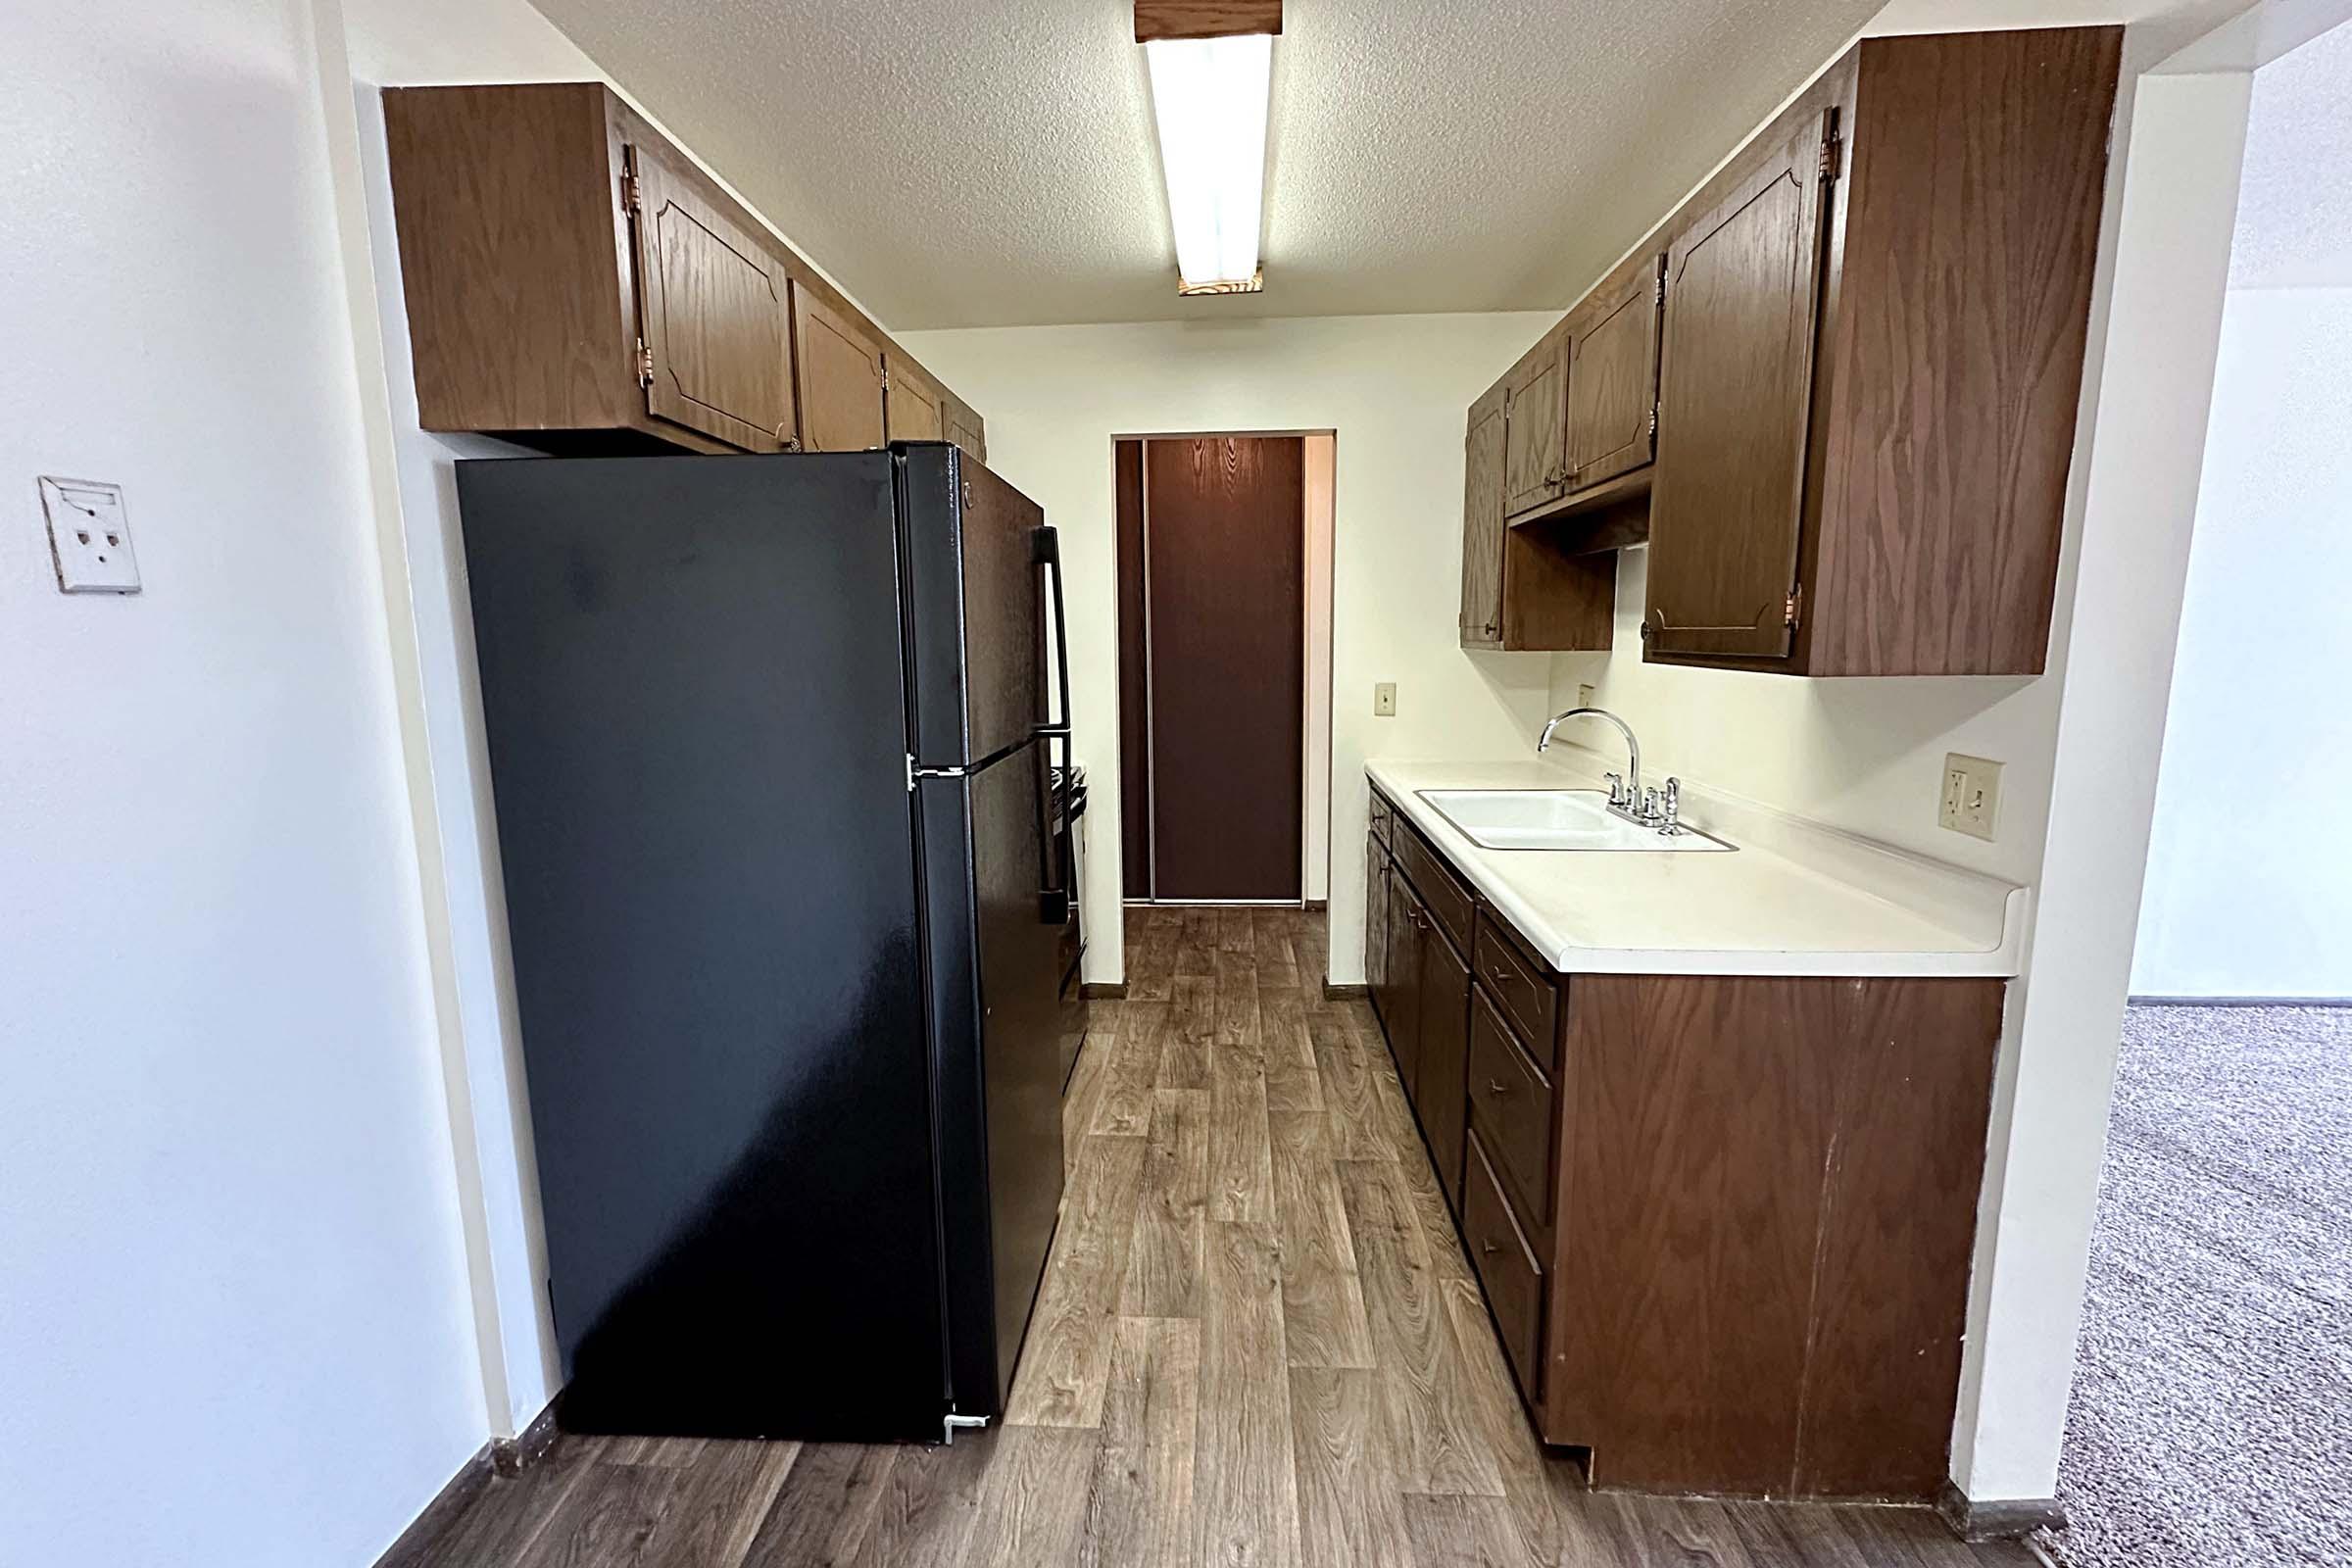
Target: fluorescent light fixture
(1209, 96)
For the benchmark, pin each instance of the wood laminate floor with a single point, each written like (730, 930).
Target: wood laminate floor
(1257, 1343)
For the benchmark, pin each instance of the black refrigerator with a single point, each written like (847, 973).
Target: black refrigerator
(768, 741)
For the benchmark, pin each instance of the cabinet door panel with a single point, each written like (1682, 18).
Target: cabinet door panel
(964, 426)
(1534, 423)
(1442, 1072)
(715, 310)
(1613, 381)
(914, 407)
(1408, 924)
(1376, 923)
(1743, 284)
(840, 371)
(1483, 456)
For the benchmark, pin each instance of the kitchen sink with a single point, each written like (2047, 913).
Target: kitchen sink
(1555, 819)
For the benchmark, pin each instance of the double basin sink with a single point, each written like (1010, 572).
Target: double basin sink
(1555, 819)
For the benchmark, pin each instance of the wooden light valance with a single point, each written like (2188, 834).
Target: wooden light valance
(1204, 19)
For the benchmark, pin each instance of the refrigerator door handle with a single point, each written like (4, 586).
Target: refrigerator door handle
(1054, 900)
(1047, 547)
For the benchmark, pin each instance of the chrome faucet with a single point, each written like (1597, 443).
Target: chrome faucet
(1626, 797)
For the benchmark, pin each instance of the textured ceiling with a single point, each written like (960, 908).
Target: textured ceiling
(995, 165)
(2294, 229)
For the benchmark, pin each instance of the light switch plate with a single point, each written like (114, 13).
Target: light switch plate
(89, 537)
(1971, 796)
(1383, 700)
(1583, 694)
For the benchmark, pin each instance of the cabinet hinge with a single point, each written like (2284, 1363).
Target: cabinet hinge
(1830, 147)
(632, 196)
(886, 379)
(645, 364)
(1654, 423)
(1795, 606)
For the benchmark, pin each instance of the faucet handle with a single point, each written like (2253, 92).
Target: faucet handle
(1650, 811)
(1616, 784)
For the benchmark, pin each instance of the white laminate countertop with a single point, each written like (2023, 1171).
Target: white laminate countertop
(1796, 898)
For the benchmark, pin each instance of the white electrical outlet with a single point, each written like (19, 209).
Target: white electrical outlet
(1383, 700)
(89, 537)
(1971, 796)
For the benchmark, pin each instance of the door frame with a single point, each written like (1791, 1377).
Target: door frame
(1319, 523)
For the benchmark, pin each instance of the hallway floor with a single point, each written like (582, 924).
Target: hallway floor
(1257, 1343)
(2215, 1367)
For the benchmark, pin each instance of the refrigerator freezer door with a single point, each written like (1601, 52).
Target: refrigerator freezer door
(995, 977)
(975, 609)
(693, 687)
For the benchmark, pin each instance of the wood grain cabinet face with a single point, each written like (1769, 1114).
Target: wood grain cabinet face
(1742, 286)
(965, 427)
(714, 305)
(1613, 379)
(1483, 456)
(1442, 1070)
(840, 372)
(914, 407)
(1535, 426)
(1375, 921)
(1408, 927)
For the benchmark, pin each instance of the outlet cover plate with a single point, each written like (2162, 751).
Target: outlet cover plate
(1971, 800)
(89, 537)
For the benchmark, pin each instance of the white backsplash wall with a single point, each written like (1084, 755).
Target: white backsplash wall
(1394, 388)
(1862, 754)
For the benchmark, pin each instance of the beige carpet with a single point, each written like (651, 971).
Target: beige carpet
(2212, 1414)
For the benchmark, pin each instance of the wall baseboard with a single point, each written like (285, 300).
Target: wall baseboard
(512, 1456)
(2241, 1002)
(1102, 990)
(1332, 993)
(1997, 1518)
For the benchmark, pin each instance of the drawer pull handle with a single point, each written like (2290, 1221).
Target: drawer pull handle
(1502, 977)
(1494, 1087)
(1488, 1248)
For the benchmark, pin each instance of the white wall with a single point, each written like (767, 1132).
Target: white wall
(1394, 389)
(2249, 885)
(234, 1320)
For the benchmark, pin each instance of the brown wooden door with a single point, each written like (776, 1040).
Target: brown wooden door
(1482, 524)
(1408, 927)
(1376, 920)
(1743, 284)
(1534, 423)
(840, 369)
(1614, 379)
(714, 309)
(912, 406)
(1439, 1088)
(1224, 563)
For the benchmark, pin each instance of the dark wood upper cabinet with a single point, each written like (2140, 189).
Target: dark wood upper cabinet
(841, 372)
(1534, 426)
(1613, 375)
(717, 313)
(1482, 524)
(1868, 362)
(912, 406)
(574, 282)
(1742, 285)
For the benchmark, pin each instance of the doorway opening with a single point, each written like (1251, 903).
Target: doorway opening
(2214, 1357)
(1224, 634)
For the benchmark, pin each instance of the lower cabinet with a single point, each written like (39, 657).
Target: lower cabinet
(1376, 923)
(1723, 1223)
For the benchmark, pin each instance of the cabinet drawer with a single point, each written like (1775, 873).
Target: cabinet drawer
(1528, 994)
(1449, 901)
(1513, 1109)
(1506, 1265)
(1379, 818)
